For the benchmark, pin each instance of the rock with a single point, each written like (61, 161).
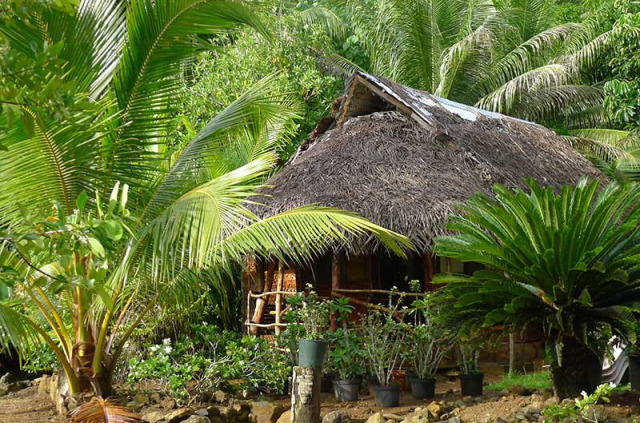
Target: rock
(377, 418)
(142, 399)
(266, 412)
(459, 403)
(336, 417)
(178, 415)
(153, 417)
(434, 410)
(285, 417)
(168, 403)
(416, 419)
(220, 397)
(197, 419)
(45, 385)
(454, 420)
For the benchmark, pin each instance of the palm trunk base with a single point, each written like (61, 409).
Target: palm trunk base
(581, 371)
(64, 400)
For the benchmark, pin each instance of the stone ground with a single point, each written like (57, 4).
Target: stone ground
(28, 406)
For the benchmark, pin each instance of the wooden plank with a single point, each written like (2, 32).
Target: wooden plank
(279, 284)
(378, 291)
(261, 302)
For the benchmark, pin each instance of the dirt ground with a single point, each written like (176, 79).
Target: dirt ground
(27, 406)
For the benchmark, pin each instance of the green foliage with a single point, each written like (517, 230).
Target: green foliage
(93, 101)
(623, 91)
(207, 360)
(563, 262)
(579, 408)
(385, 336)
(346, 355)
(429, 340)
(530, 381)
(241, 60)
(311, 312)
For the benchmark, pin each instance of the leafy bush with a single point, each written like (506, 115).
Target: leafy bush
(207, 360)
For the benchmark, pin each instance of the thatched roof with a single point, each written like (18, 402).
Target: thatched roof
(403, 158)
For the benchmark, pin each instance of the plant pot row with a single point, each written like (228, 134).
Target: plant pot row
(389, 395)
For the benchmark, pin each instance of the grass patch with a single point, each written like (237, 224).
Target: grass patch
(531, 381)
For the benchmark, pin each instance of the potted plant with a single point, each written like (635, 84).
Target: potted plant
(346, 356)
(314, 316)
(428, 343)
(384, 337)
(470, 376)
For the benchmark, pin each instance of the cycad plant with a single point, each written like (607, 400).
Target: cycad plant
(88, 95)
(566, 263)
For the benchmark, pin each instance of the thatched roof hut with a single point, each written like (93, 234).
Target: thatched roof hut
(403, 158)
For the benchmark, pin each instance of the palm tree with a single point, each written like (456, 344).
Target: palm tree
(500, 55)
(89, 104)
(565, 263)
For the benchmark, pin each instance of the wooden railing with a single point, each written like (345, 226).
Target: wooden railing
(278, 325)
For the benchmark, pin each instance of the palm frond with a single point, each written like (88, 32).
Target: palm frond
(572, 106)
(250, 125)
(161, 36)
(504, 98)
(99, 410)
(327, 18)
(614, 137)
(305, 232)
(591, 147)
(15, 329)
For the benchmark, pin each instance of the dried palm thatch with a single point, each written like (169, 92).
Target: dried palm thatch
(403, 158)
(99, 410)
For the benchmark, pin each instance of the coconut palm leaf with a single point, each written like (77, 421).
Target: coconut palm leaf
(99, 410)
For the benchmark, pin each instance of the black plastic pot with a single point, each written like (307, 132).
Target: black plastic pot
(387, 395)
(634, 372)
(410, 375)
(471, 385)
(346, 390)
(311, 353)
(325, 383)
(423, 388)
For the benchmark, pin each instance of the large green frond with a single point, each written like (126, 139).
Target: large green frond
(304, 232)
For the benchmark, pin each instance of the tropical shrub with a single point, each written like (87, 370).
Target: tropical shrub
(565, 263)
(95, 105)
(429, 339)
(207, 360)
(384, 335)
(346, 355)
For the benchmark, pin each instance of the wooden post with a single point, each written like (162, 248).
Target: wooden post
(336, 274)
(512, 352)
(261, 302)
(305, 395)
(428, 259)
(279, 285)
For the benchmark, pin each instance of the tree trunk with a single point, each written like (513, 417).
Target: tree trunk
(305, 395)
(581, 370)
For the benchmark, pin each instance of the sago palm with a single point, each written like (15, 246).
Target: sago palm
(565, 263)
(88, 99)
